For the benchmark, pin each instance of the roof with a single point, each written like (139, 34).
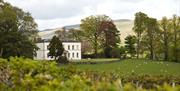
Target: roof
(48, 40)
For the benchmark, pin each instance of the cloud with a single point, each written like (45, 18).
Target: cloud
(56, 13)
(52, 9)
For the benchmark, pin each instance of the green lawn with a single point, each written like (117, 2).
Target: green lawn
(126, 67)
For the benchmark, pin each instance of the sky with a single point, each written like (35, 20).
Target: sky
(51, 14)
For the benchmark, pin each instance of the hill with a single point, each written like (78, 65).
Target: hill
(124, 26)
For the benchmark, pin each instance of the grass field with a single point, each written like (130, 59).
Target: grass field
(97, 60)
(135, 66)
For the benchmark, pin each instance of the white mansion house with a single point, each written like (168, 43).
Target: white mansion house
(72, 50)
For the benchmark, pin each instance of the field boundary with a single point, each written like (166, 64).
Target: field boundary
(101, 62)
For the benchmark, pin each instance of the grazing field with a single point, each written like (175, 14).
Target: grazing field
(134, 67)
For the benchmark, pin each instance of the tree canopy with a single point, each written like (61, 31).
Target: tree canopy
(100, 31)
(14, 40)
(55, 48)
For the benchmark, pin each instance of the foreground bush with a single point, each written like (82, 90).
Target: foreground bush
(20, 74)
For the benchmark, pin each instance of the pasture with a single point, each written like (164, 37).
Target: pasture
(130, 66)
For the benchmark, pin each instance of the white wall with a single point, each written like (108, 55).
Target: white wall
(73, 48)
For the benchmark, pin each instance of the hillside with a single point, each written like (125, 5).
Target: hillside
(124, 26)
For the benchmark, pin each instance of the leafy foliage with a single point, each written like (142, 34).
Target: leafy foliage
(157, 39)
(14, 42)
(25, 74)
(130, 45)
(55, 48)
(101, 32)
(139, 28)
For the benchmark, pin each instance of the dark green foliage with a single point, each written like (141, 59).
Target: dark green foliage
(118, 53)
(107, 51)
(63, 60)
(12, 41)
(15, 44)
(130, 42)
(55, 48)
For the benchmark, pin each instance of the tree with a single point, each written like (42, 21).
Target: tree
(12, 41)
(150, 36)
(90, 26)
(76, 34)
(99, 31)
(26, 24)
(8, 24)
(55, 48)
(139, 28)
(176, 37)
(130, 42)
(165, 30)
(111, 37)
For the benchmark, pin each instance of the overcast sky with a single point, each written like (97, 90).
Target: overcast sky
(56, 13)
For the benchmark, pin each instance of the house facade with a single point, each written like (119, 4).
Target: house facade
(72, 50)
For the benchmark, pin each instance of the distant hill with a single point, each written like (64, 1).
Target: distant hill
(123, 25)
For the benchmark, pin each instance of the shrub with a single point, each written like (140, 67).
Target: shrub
(19, 74)
(63, 60)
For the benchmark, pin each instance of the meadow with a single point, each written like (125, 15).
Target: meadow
(131, 66)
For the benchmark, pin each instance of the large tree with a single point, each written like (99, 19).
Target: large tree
(55, 48)
(176, 37)
(8, 25)
(165, 30)
(90, 26)
(150, 36)
(99, 31)
(111, 37)
(139, 28)
(12, 41)
(26, 24)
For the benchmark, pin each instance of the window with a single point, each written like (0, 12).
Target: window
(68, 47)
(73, 55)
(72, 47)
(77, 47)
(68, 55)
(77, 55)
